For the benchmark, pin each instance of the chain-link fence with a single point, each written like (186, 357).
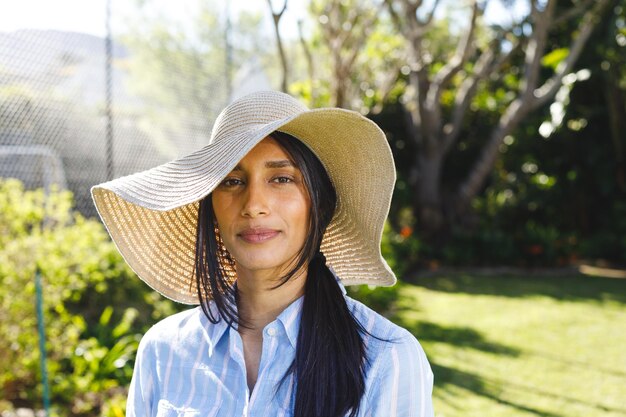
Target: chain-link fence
(76, 109)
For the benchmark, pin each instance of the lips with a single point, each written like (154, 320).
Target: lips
(257, 235)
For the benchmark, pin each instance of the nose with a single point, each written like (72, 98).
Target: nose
(255, 200)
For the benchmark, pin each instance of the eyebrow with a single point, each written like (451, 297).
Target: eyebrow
(271, 164)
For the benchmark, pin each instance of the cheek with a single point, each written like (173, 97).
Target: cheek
(299, 216)
(224, 221)
(222, 210)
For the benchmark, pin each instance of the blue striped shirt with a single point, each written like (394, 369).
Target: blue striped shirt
(188, 366)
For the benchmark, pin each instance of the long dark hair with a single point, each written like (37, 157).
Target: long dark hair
(330, 353)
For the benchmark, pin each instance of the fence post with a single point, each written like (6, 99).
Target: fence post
(42, 343)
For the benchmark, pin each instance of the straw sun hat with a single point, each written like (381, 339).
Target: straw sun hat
(152, 215)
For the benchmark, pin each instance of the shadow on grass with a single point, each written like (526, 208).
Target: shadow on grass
(446, 377)
(570, 288)
(463, 337)
(584, 365)
(459, 336)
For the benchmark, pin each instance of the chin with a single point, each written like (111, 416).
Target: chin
(262, 263)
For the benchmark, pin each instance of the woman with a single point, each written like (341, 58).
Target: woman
(262, 228)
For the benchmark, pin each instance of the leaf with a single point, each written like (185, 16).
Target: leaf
(554, 58)
(125, 324)
(105, 318)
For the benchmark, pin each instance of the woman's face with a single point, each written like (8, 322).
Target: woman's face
(262, 210)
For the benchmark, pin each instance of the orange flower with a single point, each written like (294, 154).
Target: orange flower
(406, 231)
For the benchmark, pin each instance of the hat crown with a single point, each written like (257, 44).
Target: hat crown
(251, 111)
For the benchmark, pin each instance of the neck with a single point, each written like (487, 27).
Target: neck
(259, 303)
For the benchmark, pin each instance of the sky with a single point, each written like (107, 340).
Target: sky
(87, 16)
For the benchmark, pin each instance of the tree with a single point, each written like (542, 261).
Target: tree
(571, 177)
(351, 56)
(434, 128)
(182, 69)
(345, 27)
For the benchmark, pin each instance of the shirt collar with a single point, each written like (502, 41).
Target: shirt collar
(217, 330)
(289, 318)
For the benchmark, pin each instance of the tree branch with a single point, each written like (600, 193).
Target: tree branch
(385, 88)
(309, 62)
(535, 49)
(483, 166)
(394, 16)
(432, 105)
(573, 12)
(279, 43)
(519, 108)
(552, 85)
(464, 95)
(463, 52)
(413, 30)
(429, 16)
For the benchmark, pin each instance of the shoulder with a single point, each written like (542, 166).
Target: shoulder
(180, 332)
(388, 344)
(399, 379)
(176, 325)
(376, 324)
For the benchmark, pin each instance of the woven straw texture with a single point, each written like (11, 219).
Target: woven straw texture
(152, 215)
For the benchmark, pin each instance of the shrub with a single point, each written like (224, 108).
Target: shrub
(609, 244)
(95, 309)
(400, 249)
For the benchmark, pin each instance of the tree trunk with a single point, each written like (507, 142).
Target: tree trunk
(429, 201)
(484, 165)
(339, 84)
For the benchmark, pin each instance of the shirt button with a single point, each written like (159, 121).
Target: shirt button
(271, 332)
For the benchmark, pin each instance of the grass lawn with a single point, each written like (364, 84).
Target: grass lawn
(521, 346)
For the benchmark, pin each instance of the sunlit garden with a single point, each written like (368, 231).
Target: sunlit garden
(521, 345)
(507, 228)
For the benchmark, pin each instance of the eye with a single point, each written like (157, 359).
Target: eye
(231, 182)
(283, 179)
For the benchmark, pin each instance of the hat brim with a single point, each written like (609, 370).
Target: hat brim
(152, 215)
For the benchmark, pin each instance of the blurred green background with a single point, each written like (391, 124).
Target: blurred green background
(507, 120)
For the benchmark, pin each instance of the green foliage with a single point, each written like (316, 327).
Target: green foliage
(94, 307)
(400, 249)
(369, 74)
(381, 299)
(550, 200)
(316, 92)
(554, 58)
(482, 247)
(609, 244)
(503, 236)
